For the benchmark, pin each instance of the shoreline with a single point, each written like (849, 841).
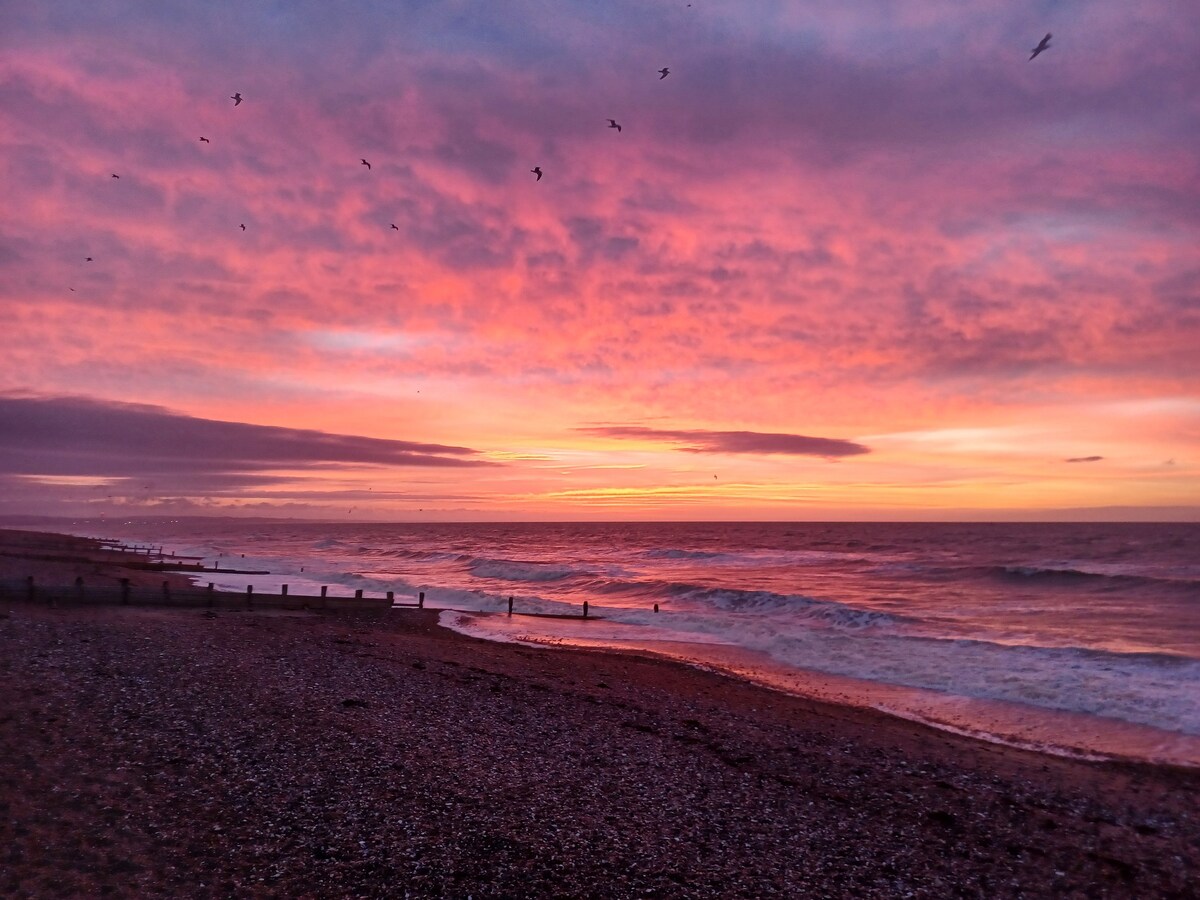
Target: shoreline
(1027, 729)
(232, 752)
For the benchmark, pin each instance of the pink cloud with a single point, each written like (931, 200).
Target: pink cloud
(874, 216)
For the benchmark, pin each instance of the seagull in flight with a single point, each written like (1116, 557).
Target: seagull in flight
(394, 228)
(243, 227)
(537, 170)
(365, 163)
(1044, 45)
(88, 259)
(115, 175)
(663, 72)
(206, 140)
(236, 98)
(612, 123)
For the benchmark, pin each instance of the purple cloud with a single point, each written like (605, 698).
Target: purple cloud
(699, 441)
(80, 436)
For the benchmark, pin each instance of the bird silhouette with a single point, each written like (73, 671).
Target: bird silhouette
(663, 73)
(236, 98)
(1044, 45)
(243, 227)
(115, 175)
(88, 259)
(206, 140)
(537, 170)
(367, 164)
(612, 123)
(394, 228)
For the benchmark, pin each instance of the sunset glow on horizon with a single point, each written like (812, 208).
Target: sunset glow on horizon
(843, 262)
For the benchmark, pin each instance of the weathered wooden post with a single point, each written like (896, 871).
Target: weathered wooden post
(210, 593)
(510, 605)
(585, 609)
(358, 594)
(391, 596)
(324, 589)
(250, 595)
(32, 593)
(656, 607)
(124, 591)
(421, 600)
(283, 592)
(166, 590)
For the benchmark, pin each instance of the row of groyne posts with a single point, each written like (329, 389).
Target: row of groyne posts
(124, 593)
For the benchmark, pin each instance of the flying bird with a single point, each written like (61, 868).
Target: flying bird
(537, 170)
(367, 164)
(394, 228)
(243, 227)
(664, 71)
(236, 98)
(612, 123)
(206, 140)
(1044, 45)
(116, 175)
(88, 259)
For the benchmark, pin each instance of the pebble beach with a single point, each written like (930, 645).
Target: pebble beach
(149, 751)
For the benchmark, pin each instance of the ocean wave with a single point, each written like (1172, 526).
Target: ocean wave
(1154, 689)
(1065, 574)
(810, 609)
(427, 555)
(1068, 572)
(757, 558)
(516, 570)
(333, 544)
(682, 554)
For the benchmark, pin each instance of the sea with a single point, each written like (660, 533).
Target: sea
(1074, 639)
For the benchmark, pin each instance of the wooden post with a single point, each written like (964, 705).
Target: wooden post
(358, 594)
(216, 564)
(283, 593)
(124, 591)
(656, 607)
(585, 609)
(79, 587)
(391, 596)
(421, 600)
(210, 593)
(324, 589)
(31, 591)
(510, 605)
(166, 590)
(249, 595)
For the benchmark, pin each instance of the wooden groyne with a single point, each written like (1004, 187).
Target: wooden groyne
(167, 594)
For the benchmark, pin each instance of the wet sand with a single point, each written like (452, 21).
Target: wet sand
(191, 752)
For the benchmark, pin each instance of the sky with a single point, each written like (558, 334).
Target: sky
(844, 261)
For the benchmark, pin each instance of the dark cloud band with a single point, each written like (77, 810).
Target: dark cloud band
(698, 441)
(80, 436)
